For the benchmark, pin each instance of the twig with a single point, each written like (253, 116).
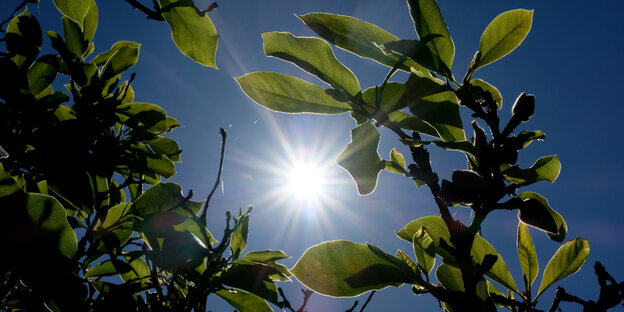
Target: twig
(151, 14)
(218, 181)
(353, 307)
(367, 300)
(306, 297)
(19, 7)
(285, 302)
(212, 6)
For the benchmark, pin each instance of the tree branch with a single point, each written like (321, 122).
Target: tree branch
(151, 14)
(218, 181)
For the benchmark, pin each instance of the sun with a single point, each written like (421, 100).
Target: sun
(306, 181)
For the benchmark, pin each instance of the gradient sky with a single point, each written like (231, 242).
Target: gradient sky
(571, 61)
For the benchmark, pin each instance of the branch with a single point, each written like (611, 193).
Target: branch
(218, 181)
(367, 300)
(151, 14)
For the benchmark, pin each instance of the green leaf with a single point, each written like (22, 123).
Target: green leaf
(193, 33)
(108, 268)
(150, 116)
(102, 58)
(346, 269)
(461, 146)
(254, 278)
(400, 254)
(392, 99)
(356, 36)
(90, 22)
(166, 146)
(165, 197)
(450, 277)
(478, 88)
(244, 301)
(238, 240)
(420, 53)
(546, 168)
(424, 249)
(396, 163)
(74, 9)
(503, 35)
(140, 272)
(360, 158)
(410, 122)
(526, 137)
(312, 55)
(562, 227)
(480, 247)
(118, 221)
(41, 74)
(428, 21)
(433, 102)
(119, 58)
(23, 37)
(73, 37)
(527, 254)
(265, 256)
(288, 94)
(568, 259)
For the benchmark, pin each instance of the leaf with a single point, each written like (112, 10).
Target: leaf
(424, 249)
(124, 55)
(166, 146)
(90, 21)
(244, 301)
(433, 102)
(546, 168)
(165, 197)
(73, 37)
(400, 254)
(288, 94)
(480, 247)
(193, 33)
(450, 277)
(150, 116)
(140, 272)
(118, 220)
(74, 9)
(254, 278)
(392, 99)
(265, 256)
(41, 74)
(108, 268)
(526, 137)
(360, 158)
(410, 122)
(428, 21)
(527, 254)
(568, 259)
(420, 53)
(238, 240)
(478, 88)
(313, 55)
(356, 36)
(503, 35)
(562, 227)
(345, 269)
(23, 37)
(396, 163)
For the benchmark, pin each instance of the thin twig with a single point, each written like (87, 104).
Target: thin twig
(306, 296)
(19, 7)
(367, 300)
(353, 307)
(151, 14)
(285, 302)
(218, 181)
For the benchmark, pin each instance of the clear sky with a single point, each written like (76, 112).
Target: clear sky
(571, 61)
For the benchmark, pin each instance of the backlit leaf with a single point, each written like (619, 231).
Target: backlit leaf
(238, 241)
(244, 301)
(356, 36)
(346, 269)
(164, 197)
(74, 9)
(478, 88)
(193, 33)
(313, 55)
(90, 21)
(360, 158)
(41, 73)
(424, 249)
(503, 35)
(568, 259)
(562, 227)
(288, 94)
(428, 21)
(546, 168)
(527, 254)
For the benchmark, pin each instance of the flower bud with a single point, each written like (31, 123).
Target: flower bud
(524, 107)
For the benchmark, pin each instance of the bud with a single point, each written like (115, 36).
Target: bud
(524, 107)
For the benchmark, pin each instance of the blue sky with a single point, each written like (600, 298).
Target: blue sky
(570, 61)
